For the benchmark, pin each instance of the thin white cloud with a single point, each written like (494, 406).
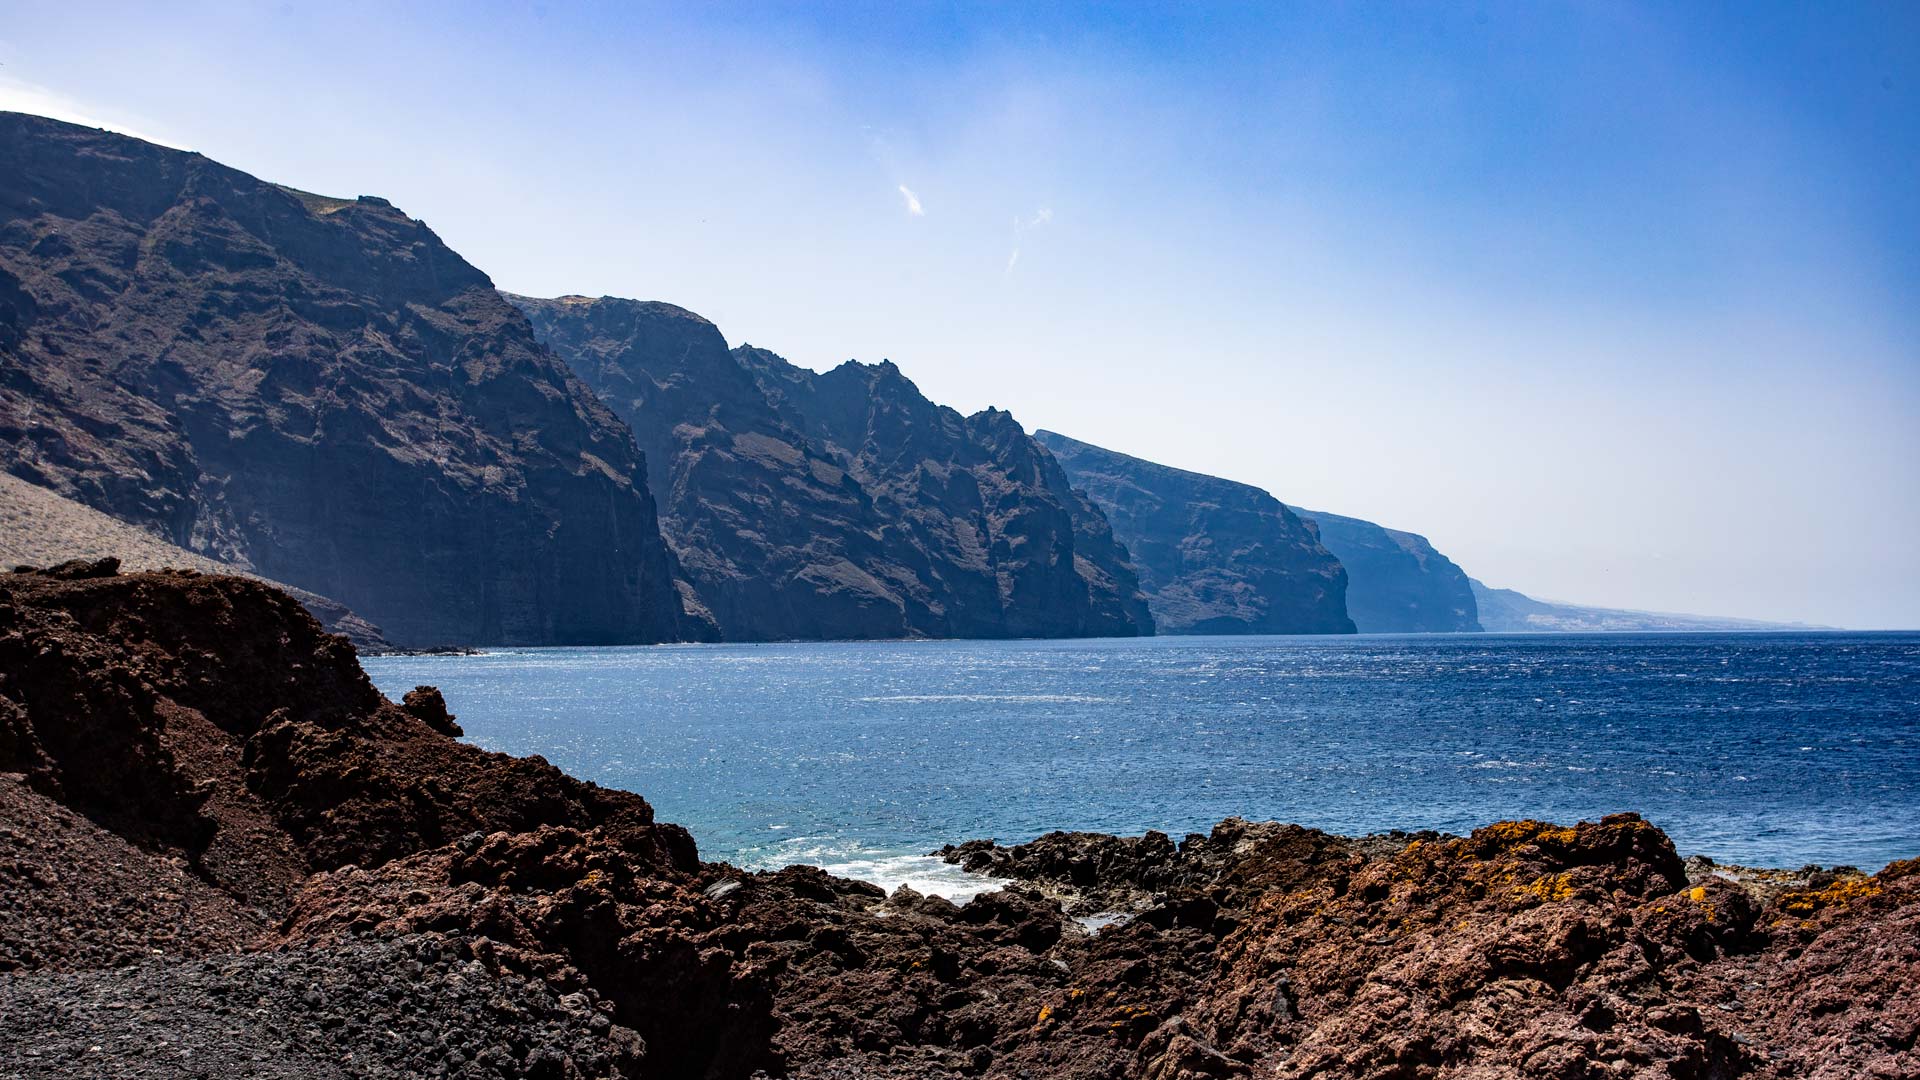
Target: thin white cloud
(17, 95)
(1021, 225)
(913, 202)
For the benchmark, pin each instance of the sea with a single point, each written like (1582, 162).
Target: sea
(1772, 750)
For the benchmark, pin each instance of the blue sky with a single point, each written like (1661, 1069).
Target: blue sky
(1618, 304)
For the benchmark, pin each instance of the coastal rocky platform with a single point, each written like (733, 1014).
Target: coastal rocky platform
(223, 852)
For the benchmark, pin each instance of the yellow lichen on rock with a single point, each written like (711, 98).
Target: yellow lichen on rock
(1846, 891)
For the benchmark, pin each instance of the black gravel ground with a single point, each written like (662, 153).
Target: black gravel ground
(408, 1007)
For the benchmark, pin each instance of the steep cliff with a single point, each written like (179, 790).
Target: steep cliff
(1396, 582)
(314, 389)
(1019, 553)
(41, 528)
(1214, 556)
(794, 522)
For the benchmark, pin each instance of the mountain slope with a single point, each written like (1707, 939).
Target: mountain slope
(1214, 556)
(315, 389)
(1396, 582)
(791, 522)
(1505, 611)
(43, 528)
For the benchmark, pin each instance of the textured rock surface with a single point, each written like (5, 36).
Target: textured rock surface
(186, 749)
(1396, 582)
(925, 524)
(39, 527)
(210, 720)
(1214, 556)
(1028, 558)
(316, 390)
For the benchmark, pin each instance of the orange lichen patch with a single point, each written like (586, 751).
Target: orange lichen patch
(1806, 903)
(1697, 894)
(1501, 837)
(1548, 888)
(1900, 869)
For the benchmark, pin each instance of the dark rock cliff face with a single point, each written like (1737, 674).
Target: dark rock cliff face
(1396, 582)
(1214, 556)
(315, 389)
(844, 513)
(1022, 554)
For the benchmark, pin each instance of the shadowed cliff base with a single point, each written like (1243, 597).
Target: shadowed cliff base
(221, 850)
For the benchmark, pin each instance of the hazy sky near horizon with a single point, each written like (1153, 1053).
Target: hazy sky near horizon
(1617, 303)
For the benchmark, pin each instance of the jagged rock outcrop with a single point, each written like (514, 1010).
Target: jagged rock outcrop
(316, 390)
(793, 518)
(222, 851)
(1396, 582)
(1031, 558)
(1214, 556)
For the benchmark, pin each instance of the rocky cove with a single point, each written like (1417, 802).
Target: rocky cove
(224, 852)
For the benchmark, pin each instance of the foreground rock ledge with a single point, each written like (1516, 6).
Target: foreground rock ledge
(222, 852)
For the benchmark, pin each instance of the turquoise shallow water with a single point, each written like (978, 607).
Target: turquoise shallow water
(1773, 750)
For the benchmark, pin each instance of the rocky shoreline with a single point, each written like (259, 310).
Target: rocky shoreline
(223, 852)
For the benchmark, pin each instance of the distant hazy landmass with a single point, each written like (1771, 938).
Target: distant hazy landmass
(1504, 611)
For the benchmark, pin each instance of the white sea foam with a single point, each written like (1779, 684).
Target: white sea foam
(925, 874)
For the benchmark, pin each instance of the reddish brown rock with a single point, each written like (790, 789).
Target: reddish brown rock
(201, 772)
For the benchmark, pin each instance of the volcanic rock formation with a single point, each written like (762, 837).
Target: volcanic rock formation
(843, 505)
(1214, 556)
(1396, 582)
(316, 390)
(223, 852)
(41, 528)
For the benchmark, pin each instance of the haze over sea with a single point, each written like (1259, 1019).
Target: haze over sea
(1759, 749)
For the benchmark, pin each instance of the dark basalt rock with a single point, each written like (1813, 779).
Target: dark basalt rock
(1396, 582)
(216, 836)
(793, 516)
(1214, 556)
(317, 390)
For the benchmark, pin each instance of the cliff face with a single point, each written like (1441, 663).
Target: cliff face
(1016, 551)
(1214, 557)
(1396, 582)
(798, 512)
(41, 528)
(314, 389)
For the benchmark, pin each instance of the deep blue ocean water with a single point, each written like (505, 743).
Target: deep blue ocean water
(1770, 750)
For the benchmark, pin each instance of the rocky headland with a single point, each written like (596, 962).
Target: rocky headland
(223, 852)
(1397, 583)
(1214, 556)
(1508, 611)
